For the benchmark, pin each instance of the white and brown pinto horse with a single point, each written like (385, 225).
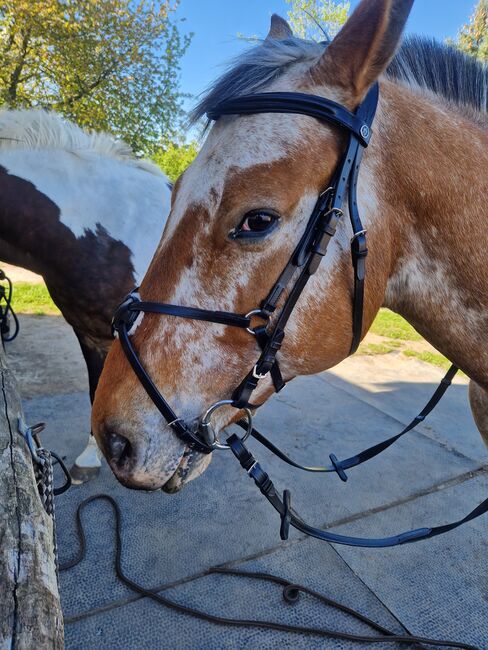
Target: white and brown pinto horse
(79, 209)
(422, 194)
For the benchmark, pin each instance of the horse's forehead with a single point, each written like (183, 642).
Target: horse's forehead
(237, 144)
(252, 139)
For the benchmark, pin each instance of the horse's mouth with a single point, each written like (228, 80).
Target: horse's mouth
(191, 465)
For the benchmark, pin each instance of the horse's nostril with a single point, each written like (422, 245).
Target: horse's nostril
(118, 448)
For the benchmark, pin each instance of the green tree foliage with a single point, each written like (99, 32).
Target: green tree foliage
(307, 17)
(110, 65)
(174, 158)
(473, 37)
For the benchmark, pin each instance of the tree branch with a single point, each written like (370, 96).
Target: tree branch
(17, 71)
(87, 89)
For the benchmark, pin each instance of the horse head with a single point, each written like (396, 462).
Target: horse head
(237, 215)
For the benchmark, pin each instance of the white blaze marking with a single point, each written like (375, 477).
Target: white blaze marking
(234, 143)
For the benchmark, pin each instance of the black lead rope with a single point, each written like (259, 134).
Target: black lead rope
(6, 309)
(291, 594)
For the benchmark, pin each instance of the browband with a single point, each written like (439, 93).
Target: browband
(298, 104)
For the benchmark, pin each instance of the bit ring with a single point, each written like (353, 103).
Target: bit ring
(208, 430)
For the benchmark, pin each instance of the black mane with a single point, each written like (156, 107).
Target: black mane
(420, 61)
(445, 70)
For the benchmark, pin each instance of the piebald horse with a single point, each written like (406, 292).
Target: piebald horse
(239, 210)
(79, 209)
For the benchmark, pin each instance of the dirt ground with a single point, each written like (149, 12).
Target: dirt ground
(46, 357)
(17, 274)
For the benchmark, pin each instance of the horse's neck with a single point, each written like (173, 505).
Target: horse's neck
(433, 171)
(57, 205)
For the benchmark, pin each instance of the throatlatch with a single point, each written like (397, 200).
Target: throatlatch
(277, 308)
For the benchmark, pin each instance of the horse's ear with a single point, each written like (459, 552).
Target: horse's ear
(363, 48)
(279, 29)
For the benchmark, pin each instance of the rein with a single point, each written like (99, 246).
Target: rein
(302, 264)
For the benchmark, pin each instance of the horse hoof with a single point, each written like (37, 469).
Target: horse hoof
(81, 475)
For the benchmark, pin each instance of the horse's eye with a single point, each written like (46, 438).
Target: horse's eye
(256, 223)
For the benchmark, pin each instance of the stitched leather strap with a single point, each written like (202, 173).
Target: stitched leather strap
(161, 404)
(129, 309)
(322, 226)
(340, 466)
(290, 518)
(298, 103)
(193, 313)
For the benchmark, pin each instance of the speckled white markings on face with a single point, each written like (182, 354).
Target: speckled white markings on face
(234, 143)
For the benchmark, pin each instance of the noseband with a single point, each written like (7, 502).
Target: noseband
(302, 264)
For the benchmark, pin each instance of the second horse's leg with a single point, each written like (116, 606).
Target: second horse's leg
(87, 465)
(478, 399)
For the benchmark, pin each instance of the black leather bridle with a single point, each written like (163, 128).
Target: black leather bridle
(302, 264)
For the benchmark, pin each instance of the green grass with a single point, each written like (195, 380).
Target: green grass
(394, 327)
(33, 299)
(378, 348)
(430, 357)
(396, 330)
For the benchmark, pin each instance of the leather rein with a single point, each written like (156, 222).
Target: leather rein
(302, 264)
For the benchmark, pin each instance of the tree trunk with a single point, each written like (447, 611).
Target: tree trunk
(30, 611)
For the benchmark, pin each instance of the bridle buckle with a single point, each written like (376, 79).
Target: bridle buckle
(124, 314)
(258, 375)
(358, 234)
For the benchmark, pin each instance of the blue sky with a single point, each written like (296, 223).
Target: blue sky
(216, 24)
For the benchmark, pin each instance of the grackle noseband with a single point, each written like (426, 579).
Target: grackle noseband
(302, 264)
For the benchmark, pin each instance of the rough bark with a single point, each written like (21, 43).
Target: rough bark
(30, 611)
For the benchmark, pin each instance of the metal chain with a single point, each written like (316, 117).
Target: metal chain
(6, 311)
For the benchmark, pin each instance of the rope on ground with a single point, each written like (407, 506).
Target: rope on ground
(291, 593)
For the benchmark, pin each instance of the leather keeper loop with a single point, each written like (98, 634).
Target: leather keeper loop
(285, 515)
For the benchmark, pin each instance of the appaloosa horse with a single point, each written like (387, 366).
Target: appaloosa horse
(243, 206)
(83, 212)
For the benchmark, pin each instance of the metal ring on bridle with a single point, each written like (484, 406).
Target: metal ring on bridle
(206, 424)
(254, 312)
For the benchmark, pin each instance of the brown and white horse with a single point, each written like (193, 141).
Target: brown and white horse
(83, 212)
(422, 195)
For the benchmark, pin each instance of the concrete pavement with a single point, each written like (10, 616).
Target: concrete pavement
(434, 475)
